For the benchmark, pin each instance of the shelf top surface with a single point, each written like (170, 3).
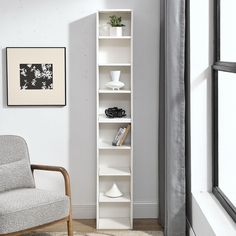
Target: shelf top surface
(114, 223)
(113, 91)
(114, 37)
(103, 119)
(114, 64)
(104, 145)
(124, 198)
(115, 10)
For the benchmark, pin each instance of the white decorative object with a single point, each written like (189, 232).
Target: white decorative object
(116, 31)
(115, 83)
(115, 75)
(114, 191)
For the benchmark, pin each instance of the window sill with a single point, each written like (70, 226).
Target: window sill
(218, 219)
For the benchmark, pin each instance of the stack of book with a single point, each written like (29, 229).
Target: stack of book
(121, 136)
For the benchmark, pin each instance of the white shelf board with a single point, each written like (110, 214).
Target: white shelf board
(124, 198)
(114, 223)
(114, 91)
(115, 10)
(114, 37)
(103, 119)
(104, 145)
(114, 171)
(114, 64)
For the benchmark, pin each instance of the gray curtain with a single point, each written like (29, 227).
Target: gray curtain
(172, 193)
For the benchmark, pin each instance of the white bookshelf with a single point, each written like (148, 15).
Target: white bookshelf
(114, 163)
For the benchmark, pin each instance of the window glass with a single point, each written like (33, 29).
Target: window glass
(228, 30)
(227, 134)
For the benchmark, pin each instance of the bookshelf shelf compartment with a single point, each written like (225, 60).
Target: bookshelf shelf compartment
(105, 77)
(114, 51)
(108, 132)
(123, 183)
(120, 158)
(114, 163)
(108, 100)
(104, 28)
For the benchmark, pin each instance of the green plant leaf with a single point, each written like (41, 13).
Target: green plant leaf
(115, 21)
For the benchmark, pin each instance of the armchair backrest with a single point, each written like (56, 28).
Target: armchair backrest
(15, 171)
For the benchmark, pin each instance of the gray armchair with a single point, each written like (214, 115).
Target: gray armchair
(23, 207)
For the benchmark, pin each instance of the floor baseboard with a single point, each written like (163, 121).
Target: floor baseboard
(141, 210)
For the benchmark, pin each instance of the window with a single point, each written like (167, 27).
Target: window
(224, 105)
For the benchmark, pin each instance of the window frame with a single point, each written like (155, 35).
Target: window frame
(217, 66)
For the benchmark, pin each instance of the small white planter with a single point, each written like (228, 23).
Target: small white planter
(115, 31)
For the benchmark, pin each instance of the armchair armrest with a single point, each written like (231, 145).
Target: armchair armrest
(62, 170)
(66, 176)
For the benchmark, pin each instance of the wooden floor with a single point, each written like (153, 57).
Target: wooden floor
(90, 225)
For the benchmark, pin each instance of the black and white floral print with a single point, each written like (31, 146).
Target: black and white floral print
(36, 76)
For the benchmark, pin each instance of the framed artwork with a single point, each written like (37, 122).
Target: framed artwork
(36, 76)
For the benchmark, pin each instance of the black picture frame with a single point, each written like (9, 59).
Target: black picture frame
(46, 95)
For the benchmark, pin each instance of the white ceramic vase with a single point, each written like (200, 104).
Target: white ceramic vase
(114, 191)
(116, 31)
(115, 84)
(115, 75)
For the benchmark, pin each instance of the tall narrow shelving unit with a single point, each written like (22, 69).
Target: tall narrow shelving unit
(114, 163)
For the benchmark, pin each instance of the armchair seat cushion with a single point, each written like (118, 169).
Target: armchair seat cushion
(26, 208)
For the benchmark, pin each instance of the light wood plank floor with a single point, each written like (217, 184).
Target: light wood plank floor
(90, 225)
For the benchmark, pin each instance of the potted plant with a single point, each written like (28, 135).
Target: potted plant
(116, 25)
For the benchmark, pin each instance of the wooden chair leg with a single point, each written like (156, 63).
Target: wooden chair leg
(69, 226)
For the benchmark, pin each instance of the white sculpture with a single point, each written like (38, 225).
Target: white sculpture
(115, 83)
(114, 191)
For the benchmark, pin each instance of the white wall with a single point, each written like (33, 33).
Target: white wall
(66, 135)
